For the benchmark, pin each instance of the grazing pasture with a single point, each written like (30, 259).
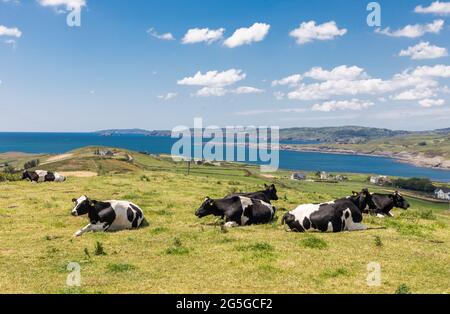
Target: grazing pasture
(179, 253)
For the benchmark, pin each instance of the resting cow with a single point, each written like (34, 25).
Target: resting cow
(238, 210)
(267, 195)
(384, 203)
(42, 176)
(340, 215)
(107, 215)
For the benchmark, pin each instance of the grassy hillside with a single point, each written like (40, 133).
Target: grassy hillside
(179, 253)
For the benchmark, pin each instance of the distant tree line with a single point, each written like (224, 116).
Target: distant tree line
(31, 164)
(415, 184)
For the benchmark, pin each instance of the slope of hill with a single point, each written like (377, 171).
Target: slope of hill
(173, 254)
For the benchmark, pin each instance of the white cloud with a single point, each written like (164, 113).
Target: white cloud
(354, 104)
(245, 36)
(166, 36)
(69, 4)
(291, 80)
(309, 31)
(211, 91)
(413, 31)
(437, 7)
(423, 51)
(440, 70)
(279, 95)
(420, 78)
(414, 94)
(198, 35)
(248, 90)
(168, 96)
(11, 42)
(427, 103)
(12, 32)
(342, 72)
(214, 78)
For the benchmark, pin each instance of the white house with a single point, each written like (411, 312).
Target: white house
(381, 180)
(298, 176)
(442, 194)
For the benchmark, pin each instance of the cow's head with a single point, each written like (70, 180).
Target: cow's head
(271, 192)
(82, 205)
(25, 175)
(399, 201)
(363, 199)
(208, 208)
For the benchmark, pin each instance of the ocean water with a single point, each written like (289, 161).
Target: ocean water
(62, 142)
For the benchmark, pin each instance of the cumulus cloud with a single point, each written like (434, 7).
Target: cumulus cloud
(291, 80)
(414, 94)
(11, 32)
(279, 95)
(247, 90)
(211, 91)
(413, 31)
(342, 72)
(214, 78)
(68, 4)
(166, 36)
(437, 7)
(423, 51)
(168, 96)
(309, 31)
(247, 35)
(439, 70)
(420, 78)
(427, 103)
(198, 35)
(354, 104)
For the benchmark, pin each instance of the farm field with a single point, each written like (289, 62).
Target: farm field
(179, 253)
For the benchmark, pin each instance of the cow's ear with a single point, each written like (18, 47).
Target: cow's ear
(272, 186)
(265, 185)
(355, 193)
(74, 200)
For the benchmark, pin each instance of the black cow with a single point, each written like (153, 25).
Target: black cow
(42, 176)
(238, 210)
(384, 203)
(336, 216)
(107, 215)
(267, 195)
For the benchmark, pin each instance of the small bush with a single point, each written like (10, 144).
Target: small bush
(335, 273)
(378, 241)
(256, 247)
(31, 164)
(120, 268)
(10, 177)
(98, 249)
(177, 248)
(313, 242)
(403, 289)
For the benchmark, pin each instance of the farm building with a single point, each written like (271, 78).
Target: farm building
(380, 180)
(443, 194)
(298, 176)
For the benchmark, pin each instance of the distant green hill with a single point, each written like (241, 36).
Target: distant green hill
(342, 134)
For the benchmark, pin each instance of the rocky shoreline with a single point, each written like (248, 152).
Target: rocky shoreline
(419, 160)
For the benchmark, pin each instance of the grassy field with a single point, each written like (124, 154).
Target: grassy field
(178, 253)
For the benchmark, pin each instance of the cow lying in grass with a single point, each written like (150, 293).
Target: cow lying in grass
(238, 210)
(341, 215)
(267, 195)
(42, 176)
(107, 215)
(384, 203)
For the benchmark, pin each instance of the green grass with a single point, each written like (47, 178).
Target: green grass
(179, 253)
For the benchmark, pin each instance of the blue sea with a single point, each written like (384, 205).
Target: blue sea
(56, 143)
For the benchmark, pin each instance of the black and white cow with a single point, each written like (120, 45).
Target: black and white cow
(238, 210)
(42, 176)
(267, 195)
(384, 203)
(107, 215)
(341, 215)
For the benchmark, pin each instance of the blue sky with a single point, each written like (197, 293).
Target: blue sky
(131, 64)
